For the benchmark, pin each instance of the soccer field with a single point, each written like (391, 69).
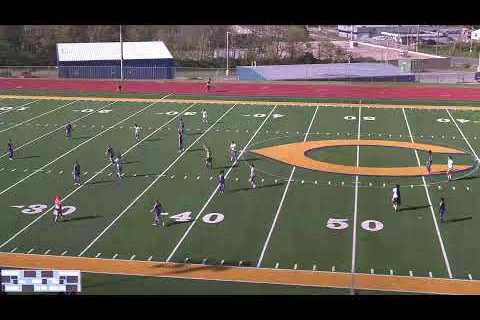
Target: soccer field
(318, 215)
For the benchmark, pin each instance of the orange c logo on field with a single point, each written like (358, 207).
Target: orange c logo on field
(295, 154)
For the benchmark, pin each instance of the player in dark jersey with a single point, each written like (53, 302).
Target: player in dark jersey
(429, 162)
(180, 141)
(10, 150)
(442, 209)
(209, 84)
(110, 154)
(157, 213)
(221, 181)
(76, 173)
(68, 130)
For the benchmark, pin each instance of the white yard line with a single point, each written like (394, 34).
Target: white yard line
(22, 105)
(444, 253)
(218, 186)
(91, 178)
(40, 115)
(461, 132)
(59, 128)
(152, 183)
(75, 148)
(265, 245)
(355, 208)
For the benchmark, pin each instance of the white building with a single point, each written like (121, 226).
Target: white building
(475, 35)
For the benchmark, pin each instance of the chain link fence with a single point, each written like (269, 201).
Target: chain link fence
(216, 74)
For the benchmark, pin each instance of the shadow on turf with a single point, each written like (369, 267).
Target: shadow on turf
(130, 162)
(194, 133)
(82, 218)
(258, 187)
(412, 208)
(182, 267)
(153, 140)
(195, 150)
(80, 138)
(27, 157)
(457, 219)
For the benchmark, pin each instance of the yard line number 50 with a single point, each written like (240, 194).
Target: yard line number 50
(368, 225)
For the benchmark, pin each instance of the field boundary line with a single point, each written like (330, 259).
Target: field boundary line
(355, 208)
(464, 138)
(39, 116)
(241, 274)
(153, 183)
(249, 102)
(22, 105)
(267, 241)
(59, 128)
(94, 176)
(190, 227)
(439, 236)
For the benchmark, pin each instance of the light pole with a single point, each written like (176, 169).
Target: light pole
(227, 71)
(121, 54)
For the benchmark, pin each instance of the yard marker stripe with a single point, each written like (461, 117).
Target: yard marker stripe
(153, 182)
(218, 186)
(60, 128)
(25, 104)
(461, 132)
(29, 251)
(64, 253)
(78, 146)
(265, 245)
(36, 117)
(14, 249)
(91, 178)
(150, 258)
(115, 256)
(355, 207)
(444, 253)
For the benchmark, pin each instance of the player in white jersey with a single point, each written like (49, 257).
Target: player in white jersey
(233, 152)
(450, 168)
(118, 165)
(253, 177)
(137, 132)
(204, 116)
(396, 197)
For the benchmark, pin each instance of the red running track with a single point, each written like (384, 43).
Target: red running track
(253, 89)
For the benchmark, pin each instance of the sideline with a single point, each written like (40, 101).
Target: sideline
(243, 274)
(248, 102)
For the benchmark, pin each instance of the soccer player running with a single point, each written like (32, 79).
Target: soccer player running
(233, 152)
(449, 168)
(76, 173)
(157, 213)
(137, 132)
(442, 209)
(110, 154)
(119, 165)
(181, 126)
(208, 157)
(253, 178)
(57, 208)
(221, 181)
(396, 198)
(209, 84)
(10, 150)
(204, 116)
(429, 162)
(68, 130)
(181, 147)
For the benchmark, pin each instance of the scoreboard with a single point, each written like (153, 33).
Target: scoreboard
(40, 281)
